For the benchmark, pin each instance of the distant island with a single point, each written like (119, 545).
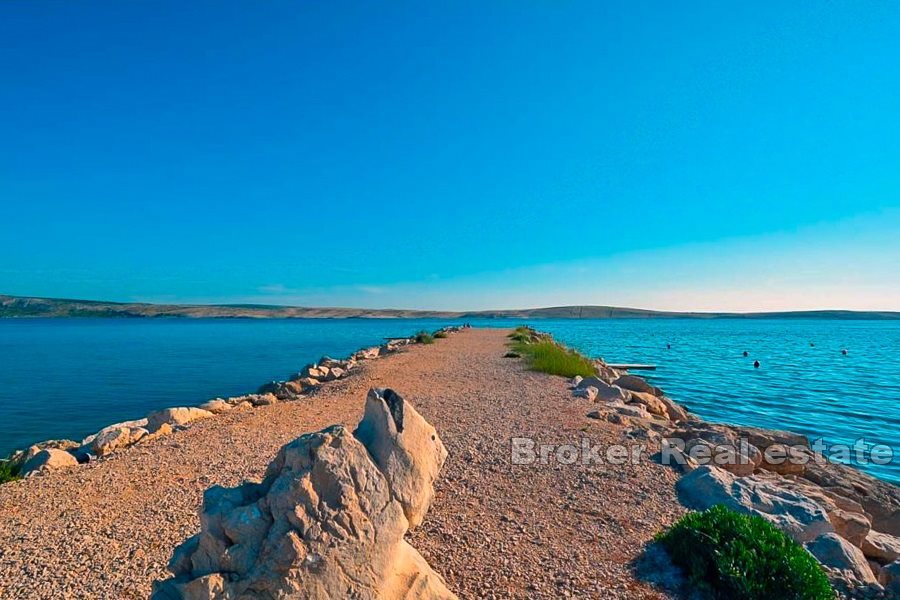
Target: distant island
(21, 306)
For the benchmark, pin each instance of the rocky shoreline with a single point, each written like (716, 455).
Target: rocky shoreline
(52, 455)
(848, 520)
(496, 529)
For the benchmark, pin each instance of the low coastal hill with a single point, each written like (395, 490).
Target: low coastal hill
(22, 306)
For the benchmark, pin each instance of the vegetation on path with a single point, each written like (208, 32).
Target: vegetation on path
(546, 356)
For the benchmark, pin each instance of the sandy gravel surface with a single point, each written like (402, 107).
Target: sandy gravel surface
(496, 530)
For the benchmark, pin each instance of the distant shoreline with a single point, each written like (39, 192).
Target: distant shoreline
(28, 307)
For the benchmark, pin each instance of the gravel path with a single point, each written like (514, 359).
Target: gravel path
(496, 530)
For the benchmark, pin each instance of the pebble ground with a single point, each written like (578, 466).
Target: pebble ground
(496, 530)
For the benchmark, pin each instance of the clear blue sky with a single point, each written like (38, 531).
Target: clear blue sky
(706, 155)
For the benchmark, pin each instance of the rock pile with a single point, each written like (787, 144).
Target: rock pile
(848, 520)
(327, 521)
(51, 455)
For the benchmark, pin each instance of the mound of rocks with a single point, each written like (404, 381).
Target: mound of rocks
(848, 520)
(327, 521)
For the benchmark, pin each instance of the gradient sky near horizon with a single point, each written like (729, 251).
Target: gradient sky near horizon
(464, 155)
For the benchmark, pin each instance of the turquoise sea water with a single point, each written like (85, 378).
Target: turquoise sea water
(69, 377)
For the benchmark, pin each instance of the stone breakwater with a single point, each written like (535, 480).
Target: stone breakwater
(53, 455)
(328, 520)
(848, 520)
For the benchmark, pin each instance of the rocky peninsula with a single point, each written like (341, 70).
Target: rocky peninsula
(470, 513)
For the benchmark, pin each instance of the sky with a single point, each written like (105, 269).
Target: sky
(452, 155)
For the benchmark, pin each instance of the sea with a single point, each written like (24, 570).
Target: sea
(66, 378)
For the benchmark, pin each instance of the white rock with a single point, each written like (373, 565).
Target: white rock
(175, 417)
(406, 449)
(792, 512)
(49, 459)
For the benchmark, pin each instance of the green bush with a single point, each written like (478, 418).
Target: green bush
(8, 472)
(423, 337)
(439, 335)
(741, 557)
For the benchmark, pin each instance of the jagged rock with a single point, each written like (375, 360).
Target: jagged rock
(835, 552)
(283, 390)
(675, 411)
(337, 372)
(630, 410)
(853, 527)
(175, 416)
(367, 353)
(48, 459)
(113, 438)
(589, 393)
(784, 460)
(316, 372)
(634, 383)
(164, 429)
(879, 499)
(653, 404)
(216, 406)
(605, 392)
(738, 458)
(797, 515)
(324, 524)
(20, 457)
(882, 547)
(576, 380)
(763, 438)
(405, 447)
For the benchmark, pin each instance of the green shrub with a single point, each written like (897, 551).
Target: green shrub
(439, 335)
(550, 357)
(8, 472)
(423, 337)
(741, 557)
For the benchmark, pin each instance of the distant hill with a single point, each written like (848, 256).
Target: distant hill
(19, 306)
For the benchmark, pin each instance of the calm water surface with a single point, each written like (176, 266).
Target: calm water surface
(68, 378)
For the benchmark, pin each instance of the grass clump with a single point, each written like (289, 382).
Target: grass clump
(8, 472)
(423, 337)
(547, 356)
(733, 556)
(439, 335)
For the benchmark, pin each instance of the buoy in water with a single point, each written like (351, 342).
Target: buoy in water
(811, 345)
(746, 354)
(844, 352)
(668, 346)
(756, 364)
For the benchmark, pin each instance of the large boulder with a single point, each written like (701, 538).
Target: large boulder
(216, 406)
(179, 416)
(763, 438)
(405, 447)
(113, 438)
(653, 404)
(881, 547)
(794, 513)
(283, 390)
(853, 527)
(879, 499)
(835, 552)
(633, 383)
(20, 457)
(46, 460)
(605, 392)
(324, 523)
